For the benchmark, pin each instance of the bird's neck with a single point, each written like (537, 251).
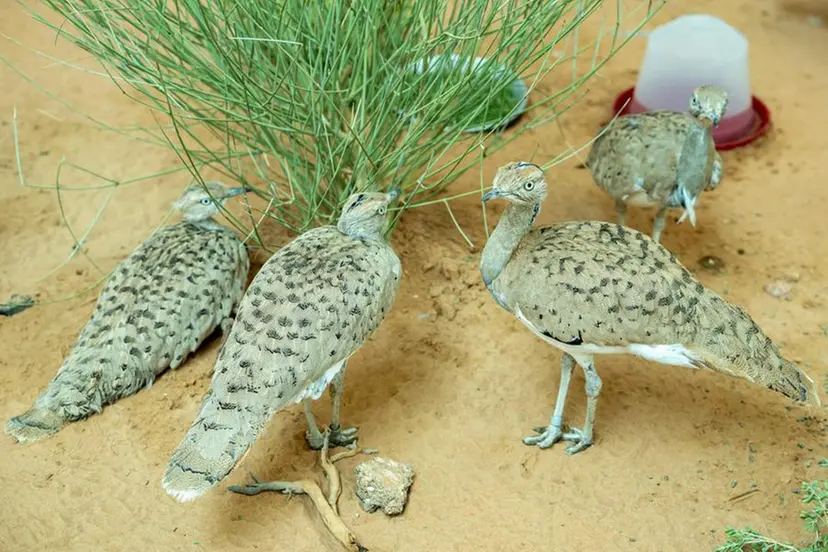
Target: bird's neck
(691, 171)
(208, 224)
(706, 123)
(366, 236)
(516, 221)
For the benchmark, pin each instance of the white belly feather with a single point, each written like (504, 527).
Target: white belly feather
(674, 354)
(315, 389)
(639, 199)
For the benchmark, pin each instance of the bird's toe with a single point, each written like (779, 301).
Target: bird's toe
(579, 440)
(343, 437)
(315, 440)
(545, 438)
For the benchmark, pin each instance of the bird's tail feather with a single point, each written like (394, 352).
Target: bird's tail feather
(35, 424)
(742, 350)
(220, 436)
(81, 388)
(777, 374)
(796, 384)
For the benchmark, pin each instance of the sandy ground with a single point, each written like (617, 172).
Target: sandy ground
(450, 383)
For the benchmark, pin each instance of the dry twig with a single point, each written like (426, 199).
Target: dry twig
(326, 506)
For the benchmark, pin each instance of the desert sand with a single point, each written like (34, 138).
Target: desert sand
(450, 383)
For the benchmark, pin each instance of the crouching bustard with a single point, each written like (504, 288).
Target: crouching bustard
(158, 306)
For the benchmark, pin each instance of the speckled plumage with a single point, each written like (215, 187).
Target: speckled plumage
(156, 308)
(312, 305)
(637, 159)
(595, 287)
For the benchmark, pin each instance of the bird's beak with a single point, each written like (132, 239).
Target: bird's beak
(714, 121)
(491, 194)
(236, 191)
(393, 194)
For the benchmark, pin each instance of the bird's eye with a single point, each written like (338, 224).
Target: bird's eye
(206, 201)
(381, 210)
(528, 185)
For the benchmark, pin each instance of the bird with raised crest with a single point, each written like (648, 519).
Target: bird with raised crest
(313, 304)
(591, 288)
(157, 307)
(661, 159)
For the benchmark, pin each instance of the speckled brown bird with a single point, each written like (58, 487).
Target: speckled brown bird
(156, 308)
(637, 160)
(312, 305)
(592, 288)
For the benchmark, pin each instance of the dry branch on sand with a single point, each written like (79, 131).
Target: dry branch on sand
(326, 505)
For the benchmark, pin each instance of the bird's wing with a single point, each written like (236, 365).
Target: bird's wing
(638, 153)
(164, 299)
(597, 284)
(606, 285)
(312, 305)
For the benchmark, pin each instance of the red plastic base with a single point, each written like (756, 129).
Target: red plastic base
(758, 126)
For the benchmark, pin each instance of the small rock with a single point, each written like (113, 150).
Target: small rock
(780, 290)
(383, 483)
(711, 263)
(791, 276)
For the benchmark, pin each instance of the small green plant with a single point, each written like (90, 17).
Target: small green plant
(504, 104)
(815, 520)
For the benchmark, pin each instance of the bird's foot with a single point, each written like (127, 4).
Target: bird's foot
(579, 440)
(339, 437)
(546, 436)
(551, 434)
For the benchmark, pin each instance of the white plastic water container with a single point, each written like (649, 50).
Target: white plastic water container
(688, 52)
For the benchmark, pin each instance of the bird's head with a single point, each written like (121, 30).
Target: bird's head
(708, 102)
(519, 182)
(201, 202)
(365, 214)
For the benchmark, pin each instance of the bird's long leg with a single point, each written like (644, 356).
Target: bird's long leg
(339, 437)
(226, 325)
(716, 173)
(314, 437)
(658, 222)
(582, 438)
(621, 211)
(548, 436)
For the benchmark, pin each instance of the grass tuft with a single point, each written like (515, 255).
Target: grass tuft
(308, 102)
(815, 521)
